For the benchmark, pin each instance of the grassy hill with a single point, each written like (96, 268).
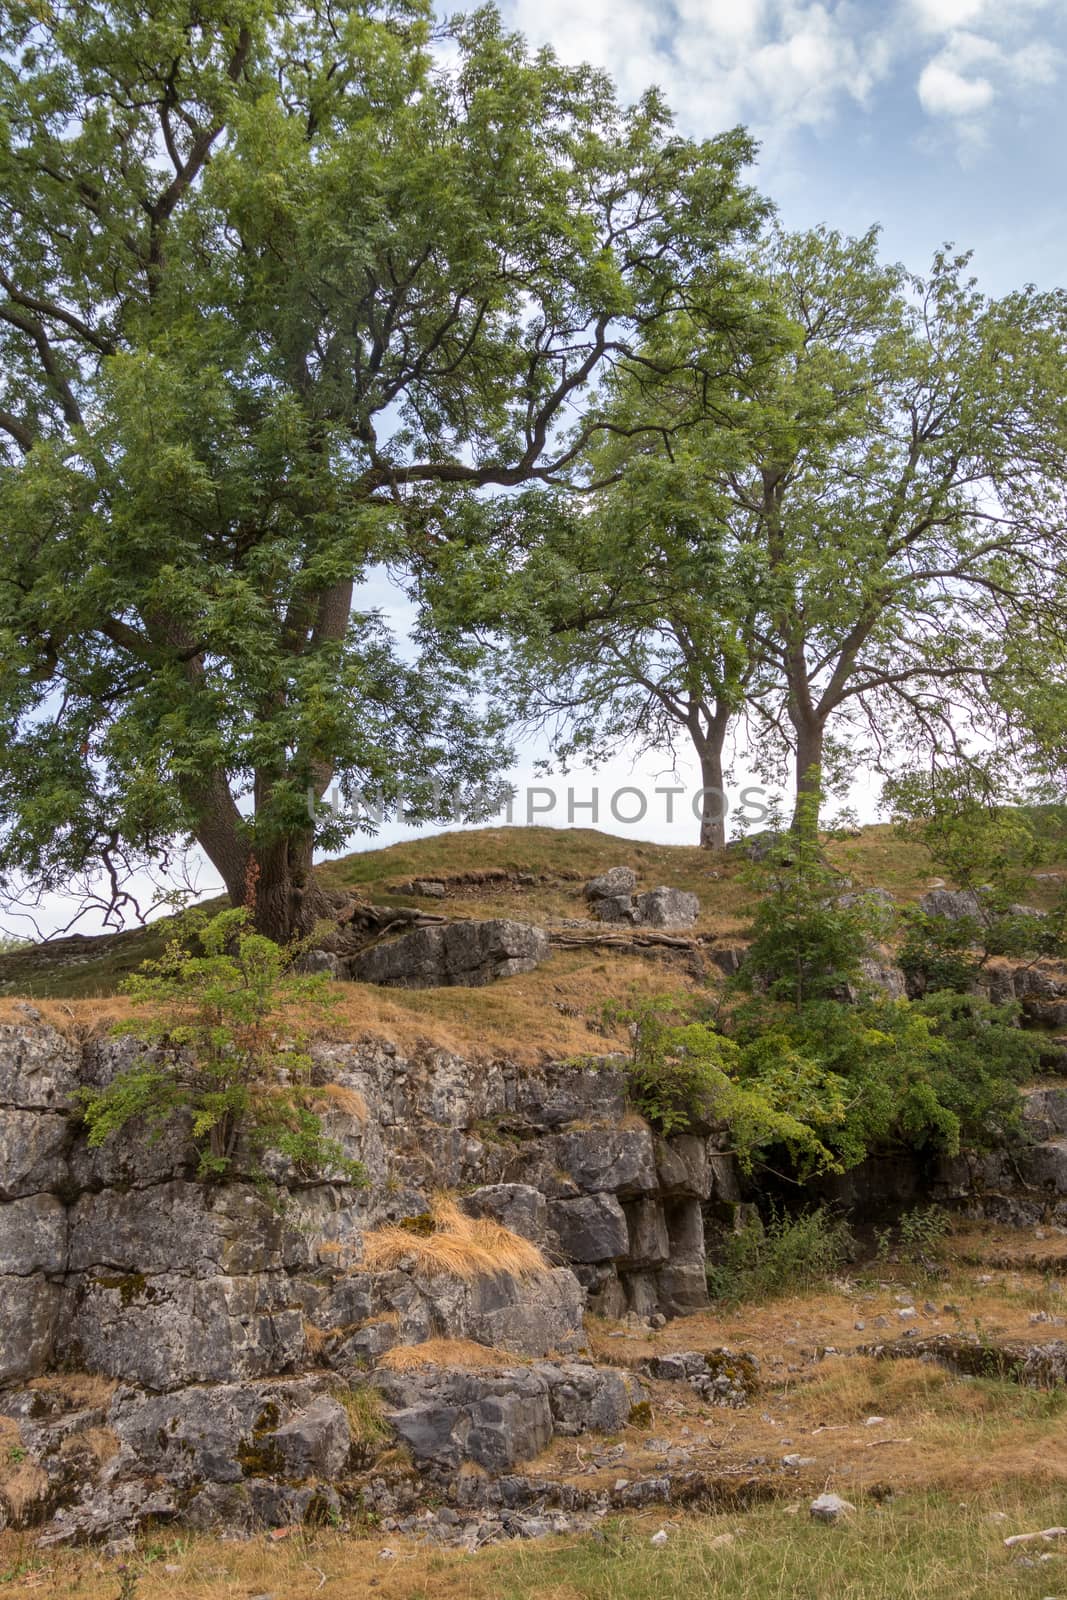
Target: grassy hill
(532, 874)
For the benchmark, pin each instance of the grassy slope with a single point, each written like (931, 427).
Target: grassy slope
(547, 1012)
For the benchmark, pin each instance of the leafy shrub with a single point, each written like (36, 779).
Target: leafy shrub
(940, 952)
(229, 1032)
(683, 1074)
(808, 934)
(985, 1056)
(782, 1255)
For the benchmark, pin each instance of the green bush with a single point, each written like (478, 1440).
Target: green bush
(685, 1075)
(229, 1032)
(809, 935)
(782, 1255)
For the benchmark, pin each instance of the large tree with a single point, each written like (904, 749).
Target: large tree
(274, 281)
(868, 516)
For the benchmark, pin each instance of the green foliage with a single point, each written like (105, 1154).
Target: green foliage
(683, 1074)
(987, 849)
(808, 935)
(228, 1033)
(919, 1234)
(940, 952)
(782, 1255)
(281, 284)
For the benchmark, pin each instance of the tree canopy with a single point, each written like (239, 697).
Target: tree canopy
(275, 281)
(851, 542)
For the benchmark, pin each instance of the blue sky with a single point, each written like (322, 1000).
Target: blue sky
(941, 119)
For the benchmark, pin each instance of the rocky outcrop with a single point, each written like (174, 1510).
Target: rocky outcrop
(613, 898)
(228, 1323)
(468, 954)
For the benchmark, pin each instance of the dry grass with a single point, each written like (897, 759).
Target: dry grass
(318, 1339)
(457, 1247)
(335, 1097)
(101, 1444)
(21, 1481)
(77, 1391)
(446, 1353)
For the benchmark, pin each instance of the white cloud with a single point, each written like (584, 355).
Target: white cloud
(944, 92)
(774, 64)
(780, 65)
(941, 16)
(972, 70)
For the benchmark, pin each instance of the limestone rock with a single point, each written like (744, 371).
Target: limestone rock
(29, 1314)
(617, 1160)
(446, 1416)
(667, 908)
(952, 904)
(616, 881)
(178, 1227)
(33, 1235)
(466, 954)
(517, 1206)
(167, 1331)
(33, 1151)
(39, 1068)
(313, 1444)
(830, 1508)
(592, 1228)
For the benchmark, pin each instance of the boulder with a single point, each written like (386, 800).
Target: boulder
(531, 1316)
(451, 954)
(588, 1399)
(446, 1416)
(666, 908)
(952, 904)
(313, 1444)
(517, 1206)
(830, 1508)
(616, 1160)
(616, 908)
(616, 881)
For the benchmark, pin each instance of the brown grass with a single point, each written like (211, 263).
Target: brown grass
(100, 1442)
(77, 1391)
(21, 1480)
(446, 1353)
(336, 1097)
(317, 1339)
(459, 1247)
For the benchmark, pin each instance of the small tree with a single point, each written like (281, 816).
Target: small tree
(228, 1035)
(809, 933)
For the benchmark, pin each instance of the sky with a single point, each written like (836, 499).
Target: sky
(942, 120)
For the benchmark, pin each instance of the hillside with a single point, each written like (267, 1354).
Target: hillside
(531, 874)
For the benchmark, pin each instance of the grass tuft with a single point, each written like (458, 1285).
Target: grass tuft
(446, 1353)
(458, 1247)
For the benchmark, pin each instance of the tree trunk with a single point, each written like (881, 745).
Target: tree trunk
(710, 741)
(808, 775)
(277, 881)
(713, 800)
(286, 900)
